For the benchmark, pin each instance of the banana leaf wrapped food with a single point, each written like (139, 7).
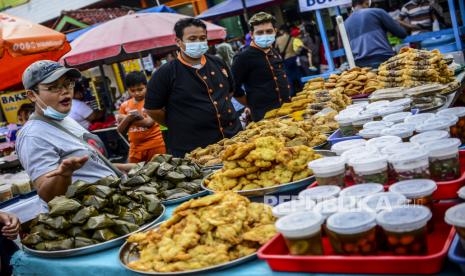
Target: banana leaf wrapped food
(134, 171)
(110, 181)
(56, 245)
(152, 203)
(95, 201)
(164, 169)
(61, 205)
(176, 161)
(118, 199)
(100, 191)
(82, 242)
(77, 188)
(189, 187)
(166, 185)
(46, 233)
(147, 190)
(122, 227)
(98, 222)
(160, 158)
(136, 180)
(150, 168)
(82, 215)
(32, 239)
(104, 235)
(77, 231)
(174, 193)
(132, 217)
(57, 223)
(175, 177)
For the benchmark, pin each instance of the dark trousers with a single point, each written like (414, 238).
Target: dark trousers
(7, 249)
(293, 74)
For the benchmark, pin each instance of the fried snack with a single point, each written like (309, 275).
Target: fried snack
(205, 232)
(274, 163)
(354, 82)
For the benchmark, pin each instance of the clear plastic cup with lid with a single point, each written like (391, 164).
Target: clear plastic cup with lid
(405, 102)
(382, 201)
(302, 233)
(403, 132)
(5, 192)
(377, 124)
(429, 136)
(377, 105)
(456, 216)
(370, 133)
(331, 206)
(329, 170)
(398, 117)
(370, 169)
(374, 113)
(358, 151)
(458, 130)
(461, 193)
(362, 119)
(343, 146)
(404, 125)
(320, 193)
(420, 191)
(383, 141)
(390, 110)
(419, 118)
(359, 191)
(444, 162)
(399, 148)
(410, 164)
(352, 232)
(405, 228)
(293, 206)
(345, 123)
(437, 123)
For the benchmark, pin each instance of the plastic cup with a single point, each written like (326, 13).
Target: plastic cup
(352, 232)
(302, 233)
(458, 130)
(358, 105)
(382, 201)
(444, 162)
(377, 105)
(329, 170)
(419, 118)
(331, 206)
(456, 216)
(410, 164)
(405, 102)
(437, 123)
(429, 136)
(399, 148)
(383, 141)
(362, 119)
(345, 123)
(5, 192)
(359, 151)
(320, 193)
(403, 132)
(360, 191)
(398, 117)
(420, 191)
(377, 124)
(370, 169)
(343, 146)
(461, 193)
(390, 110)
(370, 133)
(405, 229)
(293, 206)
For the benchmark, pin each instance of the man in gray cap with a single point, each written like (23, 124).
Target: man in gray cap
(54, 149)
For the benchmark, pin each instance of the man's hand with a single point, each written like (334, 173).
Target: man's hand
(11, 225)
(68, 166)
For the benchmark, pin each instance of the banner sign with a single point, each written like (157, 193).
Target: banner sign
(310, 5)
(11, 102)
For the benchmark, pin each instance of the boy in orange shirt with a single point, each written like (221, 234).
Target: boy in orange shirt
(144, 134)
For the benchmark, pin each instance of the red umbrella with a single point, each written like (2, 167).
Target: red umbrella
(125, 37)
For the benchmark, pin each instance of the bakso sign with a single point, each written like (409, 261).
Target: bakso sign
(310, 5)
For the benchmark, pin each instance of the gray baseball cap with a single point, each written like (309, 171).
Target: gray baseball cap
(46, 71)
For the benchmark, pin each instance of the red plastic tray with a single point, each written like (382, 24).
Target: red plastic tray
(276, 254)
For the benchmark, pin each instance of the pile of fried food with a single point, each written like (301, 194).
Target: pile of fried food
(263, 162)
(311, 100)
(204, 232)
(413, 67)
(293, 133)
(353, 82)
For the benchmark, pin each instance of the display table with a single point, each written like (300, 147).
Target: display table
(107, 263)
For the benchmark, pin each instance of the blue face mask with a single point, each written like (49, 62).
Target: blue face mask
(264, 41)
(51, 112)
(196, 49)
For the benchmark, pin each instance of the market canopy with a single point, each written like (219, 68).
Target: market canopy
(23, 42)
(233, 7)
(127, 37)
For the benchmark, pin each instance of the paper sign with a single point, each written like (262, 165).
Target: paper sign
(11, 102)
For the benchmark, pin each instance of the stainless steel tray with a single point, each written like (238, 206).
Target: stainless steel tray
(128, 253)
(91, 248)
(269, 190)
(184, 198)
(440, 101)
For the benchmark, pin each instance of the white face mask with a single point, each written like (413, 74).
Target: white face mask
(51, 112)
(196, 49)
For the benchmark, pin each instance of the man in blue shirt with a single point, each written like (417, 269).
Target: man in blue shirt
(367, 30)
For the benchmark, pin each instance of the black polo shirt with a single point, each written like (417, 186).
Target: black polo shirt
(197, 103)
(263, 77)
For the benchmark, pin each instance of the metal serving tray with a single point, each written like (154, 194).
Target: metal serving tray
(184, 198)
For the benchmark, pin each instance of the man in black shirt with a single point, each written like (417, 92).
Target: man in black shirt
(259, 70)
(191, 95)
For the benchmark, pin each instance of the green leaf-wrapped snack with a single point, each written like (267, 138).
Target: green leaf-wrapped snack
(98, 222)
(147, 190)
(103, 235)
(189, 187)
(82, 242)
(56, 245)
(164, 169)
(32, 239)
(132, 217)
(151, 203)
(100, 191)
(77, 188)
(61, 206)
(136, 180)
(122, 227)
(77, 231)
(82, 215)
(110, 181)
(150, 168)
(175, 177)
(57, 223)
(45, 233)
(95, 201)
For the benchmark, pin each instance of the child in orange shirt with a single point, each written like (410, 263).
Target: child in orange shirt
(144, 134)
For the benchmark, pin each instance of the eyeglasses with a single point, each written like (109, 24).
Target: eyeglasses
(56, 88)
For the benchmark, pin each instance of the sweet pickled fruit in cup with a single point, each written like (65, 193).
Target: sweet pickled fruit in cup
(377, 124)
(411, 164)
(456, 216)
(405, 229)
(302, 232)
(429, 136)
(360, 191)
(343, 146)
(331, 206)
(398, 117)
(436, 123)
(419, 118)
(362, 119)
(382, 201)
(419, 191)
(370, 169)
(352, 232)
(403, 132)
(383, 141)
(320, 193)
(293, 206)
(370, 133)
(329, 170)
(457, 130)
(444, 162)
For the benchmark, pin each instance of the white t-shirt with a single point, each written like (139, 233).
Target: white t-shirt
(79, 112)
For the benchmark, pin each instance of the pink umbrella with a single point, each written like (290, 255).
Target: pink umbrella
(127, 36)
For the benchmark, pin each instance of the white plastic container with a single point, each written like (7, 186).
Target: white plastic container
(399, 148)
(370, 133)
(5, 192)
(293, 206)
(444, 162)
(390, 111)
(320, 193)
(398, 117)
(360, 191)
(429, 136)
(377, 124)
(343, 146)
(329, 170)
(382, 201)
(331, 206)
(410, 164)
(461, 193)
(383, 141)
(405, 125)
(370, 169)
(358, 105)
(437, 123)
(456, 216)
(419, 118)
(405, 102)
(345, 123)
(377, 105)
(362, 119)
(420, 191)
(359, 151)
(458, 111)
(403, 132)
(351, 222)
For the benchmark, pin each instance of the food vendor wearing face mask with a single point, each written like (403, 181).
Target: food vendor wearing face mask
(259, 70)
(191, 95)
(54, 149)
